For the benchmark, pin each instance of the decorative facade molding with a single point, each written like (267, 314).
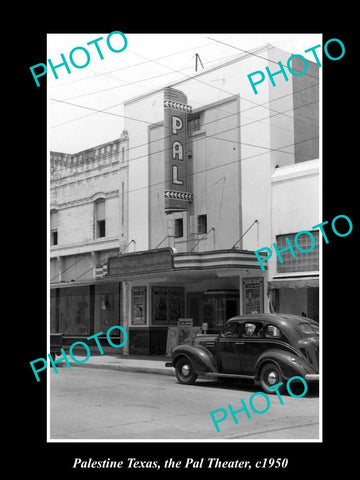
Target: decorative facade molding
(84, 200)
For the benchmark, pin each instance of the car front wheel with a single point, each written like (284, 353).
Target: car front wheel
(184, 371)
(270, 375)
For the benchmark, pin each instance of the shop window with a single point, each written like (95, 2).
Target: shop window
(100, 224)
(274, 300)
(179, 228)
(304, 261)
(74, 310)
(272, 332)
(202, 224)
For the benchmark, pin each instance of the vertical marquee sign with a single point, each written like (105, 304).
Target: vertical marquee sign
(177, 195)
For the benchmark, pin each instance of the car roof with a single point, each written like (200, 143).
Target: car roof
(276, 318)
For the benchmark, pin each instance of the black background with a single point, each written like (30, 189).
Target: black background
(26, 323)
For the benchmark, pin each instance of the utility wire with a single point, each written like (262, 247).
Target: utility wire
(128, 67)
(194, 77)
(101, 263)
(131, 66)
(229, 140)
(206, 123)
(251, 53)
(229, 163)
(188, 176)
(66, 269)
(105, 110)
(203, 105)
(135, 82)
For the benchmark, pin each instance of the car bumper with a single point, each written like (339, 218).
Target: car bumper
(169, 364)
(312, 377)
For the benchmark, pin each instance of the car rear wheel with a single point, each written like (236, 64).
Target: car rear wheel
(270, 375)
(184, 371)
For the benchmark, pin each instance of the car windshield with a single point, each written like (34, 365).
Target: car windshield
(309, 328)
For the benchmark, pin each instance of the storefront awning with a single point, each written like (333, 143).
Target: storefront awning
(303, 282)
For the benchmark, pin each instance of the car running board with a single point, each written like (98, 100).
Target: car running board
(226, 375)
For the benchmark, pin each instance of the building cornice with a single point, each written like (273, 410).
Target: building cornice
(54, 205)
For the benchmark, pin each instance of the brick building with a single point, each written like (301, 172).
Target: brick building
(88, 223)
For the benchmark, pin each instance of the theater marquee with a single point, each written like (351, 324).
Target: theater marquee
(177, 195)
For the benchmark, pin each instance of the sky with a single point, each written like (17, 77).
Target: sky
(148, 62)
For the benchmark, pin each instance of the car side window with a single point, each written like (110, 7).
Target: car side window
(272, 332)
(231, 330)
(252, 329)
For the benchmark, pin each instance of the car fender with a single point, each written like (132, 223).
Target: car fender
(289, 363)
(201, 359)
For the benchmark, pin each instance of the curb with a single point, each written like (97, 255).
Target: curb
(127, 368)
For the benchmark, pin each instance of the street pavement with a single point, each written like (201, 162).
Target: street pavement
(140, 399)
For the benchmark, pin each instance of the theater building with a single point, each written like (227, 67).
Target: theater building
(205, 187)
(213, 173)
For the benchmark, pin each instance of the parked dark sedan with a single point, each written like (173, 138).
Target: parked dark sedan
(267, 348)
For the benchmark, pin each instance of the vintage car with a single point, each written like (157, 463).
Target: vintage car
(267, 348)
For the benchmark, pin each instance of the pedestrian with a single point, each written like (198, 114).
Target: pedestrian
(204, 327)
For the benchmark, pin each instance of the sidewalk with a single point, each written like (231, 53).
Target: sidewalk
(143, 364)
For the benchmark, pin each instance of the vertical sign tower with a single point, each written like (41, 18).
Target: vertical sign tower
(177, 195)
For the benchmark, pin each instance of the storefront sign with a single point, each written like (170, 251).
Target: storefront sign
(148, 261)
(183, 333)
(177, 195)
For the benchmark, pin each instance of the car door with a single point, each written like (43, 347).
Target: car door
(229, 344)
(251, 346)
